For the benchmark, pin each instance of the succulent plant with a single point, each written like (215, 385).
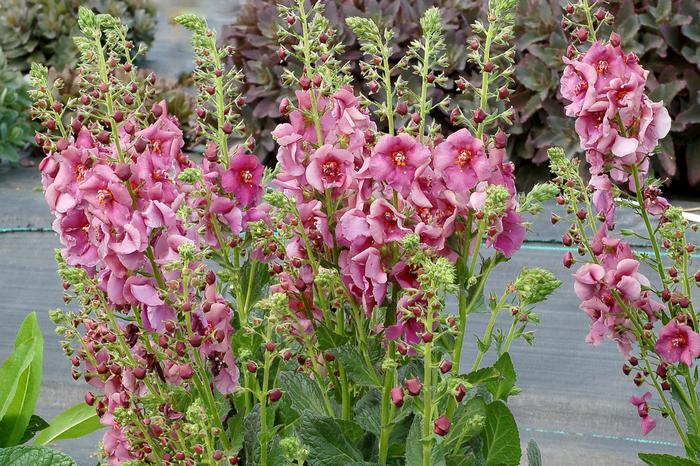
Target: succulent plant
(664, 33)
(16, 130)
(42, 30)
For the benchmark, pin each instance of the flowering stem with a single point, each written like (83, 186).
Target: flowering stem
(488, 334)
(427, 392)
(647, 223)
(387, 87)
(424, 86)
(511, 334)
(589, 19)
(386, 408)
(485, 78)
(308, 68)
(263, 437)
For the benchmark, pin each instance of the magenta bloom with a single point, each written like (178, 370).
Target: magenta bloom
(678, 343)
(587, 280)
(243, 179)
(578, 86)
(330, 168)
(395, 160)
(643, 410)
(461, 161)
(512, 235)
(385, 223)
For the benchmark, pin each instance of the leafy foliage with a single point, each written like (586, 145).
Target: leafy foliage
(36, 456)
(16, 130)
(42, 30)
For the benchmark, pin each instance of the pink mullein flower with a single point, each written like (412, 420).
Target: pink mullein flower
(461, 161)
(243, 178)
(385, 222)
(640, 402)
(395, 160)
(330, 168)
(678, 342)
(587, 280)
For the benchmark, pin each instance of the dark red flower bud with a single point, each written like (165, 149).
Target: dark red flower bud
(57, 107)
(195, 340)
(478, 115)
(284, 106)
(51, 125)
(140, 145)
(397, 396)
(270, 346)
(305, 83)
(217, 455)
(140, 373)
(632, 360)
(600, 14)
(317, 80)
(413, 386)
(461, 84)
(430, 78)
(488, 67)
(442, 426)
(626, 369)
(323, 38)
(445, 366)
(415, 117)
(661, 370)
(500, 140)
(454, 115)
(186, 371)
(568, 259)
(460, 392)
(474, 44)
(615, 39)
(291, 20)
(569, 8)
(402, 108)
(503, 93)
(567, 240)
(89, 398)
(427, 337)
(274, 395)
(211, 277)
(582, 34)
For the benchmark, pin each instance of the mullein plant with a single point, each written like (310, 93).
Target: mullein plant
(231, 315)
(641, 299)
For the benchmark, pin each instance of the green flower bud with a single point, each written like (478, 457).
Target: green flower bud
(534, 285)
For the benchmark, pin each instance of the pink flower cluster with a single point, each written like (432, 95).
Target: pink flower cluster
(618, 125)
(123, 215)
(379, 189)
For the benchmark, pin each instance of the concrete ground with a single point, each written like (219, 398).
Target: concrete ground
(575, 400)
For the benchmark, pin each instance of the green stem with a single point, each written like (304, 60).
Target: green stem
(427, 393)
(488, 334)
(308, 69)
(386, 420)
(511, 334)
(424, 87)
(484, 101)
(589, 20)
(263, 438)
(389, 93)
(647, 223)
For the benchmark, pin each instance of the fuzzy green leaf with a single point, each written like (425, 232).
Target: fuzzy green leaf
(35, 456)
(74, 422)
(501, 437)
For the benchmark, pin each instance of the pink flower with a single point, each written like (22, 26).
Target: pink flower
(512, 234)
(461, 161)
(330, 168)
(385, 222)
(243, 179)
(587, 280)
(395, 160)
(626, 279)
(365, 276)
(677, 342)
(578, 86)
(643, 410)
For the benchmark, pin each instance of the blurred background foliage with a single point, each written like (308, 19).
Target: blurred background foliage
(664, 33)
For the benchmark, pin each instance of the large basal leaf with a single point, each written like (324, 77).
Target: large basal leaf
(74, 422)
(331, 442)
(367, 412)
(502, 386)
(303, 393)
(25, 455)
(355, 365)
(467, 422)
(653, 459)
(20, 407)
(501, 437)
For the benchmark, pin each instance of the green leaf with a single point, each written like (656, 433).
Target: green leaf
(653, 459)
(501, 437)
(74, 422)
(534, 457)
(355, 365)
(367, 412)
(21, 406)
(331, 442)
(482, 375)
(36, 424)
(25, 455)
(468, 421)
(414, 446)
(501, 388)
(303, 393)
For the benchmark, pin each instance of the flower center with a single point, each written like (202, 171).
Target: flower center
(602, 67)
(399, 158)
(389, 219)
(247, 176)
(464, 157)
(330, 170)
(581, 87)
(679, 342)
(80, 171)
(104, 196)
(156, 147)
